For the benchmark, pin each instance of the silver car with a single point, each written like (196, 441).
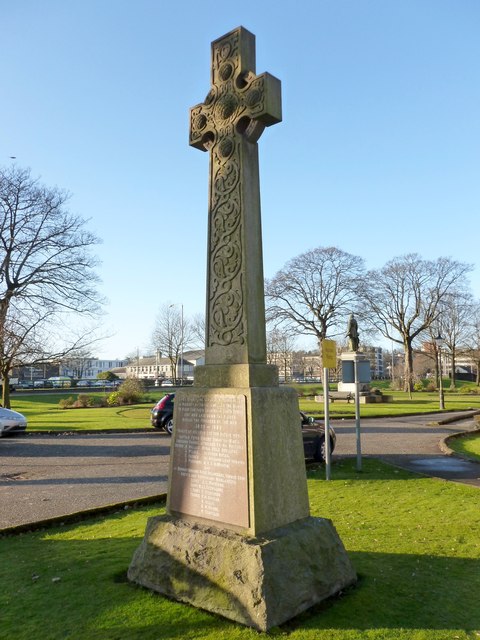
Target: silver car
(11, 422)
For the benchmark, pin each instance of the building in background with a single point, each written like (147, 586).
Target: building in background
(159, 368)
(375, 356)
(87, 368)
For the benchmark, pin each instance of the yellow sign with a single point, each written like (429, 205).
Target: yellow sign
(329, 354)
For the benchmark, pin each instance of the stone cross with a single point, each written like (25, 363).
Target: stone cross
(238, 538)
(228, 124)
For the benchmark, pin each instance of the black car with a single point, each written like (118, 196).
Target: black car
(313, 431)
(161, 416)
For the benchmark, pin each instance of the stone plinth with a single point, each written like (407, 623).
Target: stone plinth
(349, 361)
(257, 581)
(246, 467)
(236, 375)
(238, 540)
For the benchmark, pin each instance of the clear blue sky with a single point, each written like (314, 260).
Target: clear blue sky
(378, 152)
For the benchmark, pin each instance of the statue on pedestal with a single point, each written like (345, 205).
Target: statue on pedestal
(352, 333)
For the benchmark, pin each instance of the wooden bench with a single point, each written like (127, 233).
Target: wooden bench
(336, 395)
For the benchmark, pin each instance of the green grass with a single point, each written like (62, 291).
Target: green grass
(468, 446)
(421, 402)
(43, 413)
(418, 564)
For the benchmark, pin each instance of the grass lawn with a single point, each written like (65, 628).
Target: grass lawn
(468, 446)
(418, 564)
(421, 402)
(43, 412)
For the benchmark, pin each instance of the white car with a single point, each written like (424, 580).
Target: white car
(11, 421)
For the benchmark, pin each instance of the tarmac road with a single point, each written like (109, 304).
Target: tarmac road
(43, 476)
(413, 443)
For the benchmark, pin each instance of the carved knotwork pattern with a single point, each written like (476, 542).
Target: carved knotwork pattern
(226, 324)
(219, 125)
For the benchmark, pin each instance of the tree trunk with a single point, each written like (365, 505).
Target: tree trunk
(174, 364)
(6, 390)
(408, 382)
(453, 379)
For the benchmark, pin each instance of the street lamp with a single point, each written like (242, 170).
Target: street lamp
(439, 342)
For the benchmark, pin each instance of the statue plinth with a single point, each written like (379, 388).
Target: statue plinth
(259, 582)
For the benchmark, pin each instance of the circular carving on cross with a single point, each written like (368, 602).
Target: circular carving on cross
(226, 106)
(226, 50)
(226, 71)
(200, 122)
(226, 147)
(254, 96)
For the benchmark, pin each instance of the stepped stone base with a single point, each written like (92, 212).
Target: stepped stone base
(259, 582)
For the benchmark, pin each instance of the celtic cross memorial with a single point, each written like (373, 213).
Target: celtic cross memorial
(238, 538)
(228, 124)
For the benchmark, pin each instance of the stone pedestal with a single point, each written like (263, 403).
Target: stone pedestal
(349, 360)
(256, 581)
(237, 456)
(239, 540)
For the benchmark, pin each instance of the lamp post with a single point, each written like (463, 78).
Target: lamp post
(439, 342)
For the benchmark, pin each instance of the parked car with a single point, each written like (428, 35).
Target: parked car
(11, 422)
(24, 384)
(106, 384)
(42, 384)
(60, 382)
(12, 386)
(313, 431)
(161, 416)
(84, 383)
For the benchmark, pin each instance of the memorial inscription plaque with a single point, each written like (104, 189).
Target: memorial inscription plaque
(209, 475)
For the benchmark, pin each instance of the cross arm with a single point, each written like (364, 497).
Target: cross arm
(268, 110)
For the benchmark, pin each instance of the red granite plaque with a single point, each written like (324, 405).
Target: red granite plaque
(209, 477)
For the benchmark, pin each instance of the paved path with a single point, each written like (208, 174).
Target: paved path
(411, 442)
(43, 477)
(48, 476)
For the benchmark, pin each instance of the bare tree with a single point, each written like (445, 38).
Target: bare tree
(280, 346)
(472, 343)
(78, 361)
(198, 331)
(171, 334)
(454, 324)
(424, 361)
(315, 292)
(404, 298)
(46, 271)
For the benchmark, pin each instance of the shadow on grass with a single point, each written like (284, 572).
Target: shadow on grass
(372, 469)
(402, 591)
(81, 584)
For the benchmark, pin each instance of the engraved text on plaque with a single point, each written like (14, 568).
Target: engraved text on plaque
(209, 477)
